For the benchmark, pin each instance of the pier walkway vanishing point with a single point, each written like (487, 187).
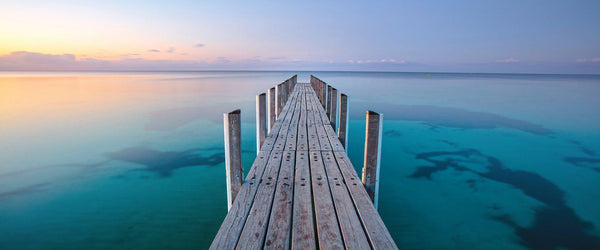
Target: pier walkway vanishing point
(301, 192)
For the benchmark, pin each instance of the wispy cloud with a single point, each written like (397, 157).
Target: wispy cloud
(153, 50)
(199, 45)
(130, 54)
(593, 60)
(171, 50)
(377, 61)
(508, 60)
(23, 60)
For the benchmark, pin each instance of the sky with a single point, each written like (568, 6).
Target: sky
(426, 36)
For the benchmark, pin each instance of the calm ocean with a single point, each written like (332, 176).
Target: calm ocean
(135, 160)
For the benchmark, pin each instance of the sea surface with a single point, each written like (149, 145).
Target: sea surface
(135, 160)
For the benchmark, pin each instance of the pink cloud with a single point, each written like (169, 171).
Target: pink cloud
(594, 60)
(508, 60)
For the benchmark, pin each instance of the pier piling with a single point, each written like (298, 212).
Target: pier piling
(333, 109)
(343, 122)
(233, 154)
(370, 171)
(272, 110)
(261, 120)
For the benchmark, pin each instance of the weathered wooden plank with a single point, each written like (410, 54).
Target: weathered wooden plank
(313, 138)
(336, 145)
(293, 128)
(323, 116)
(377, 232)
(303, 230)
(324, 143)
(285, 125)
(280, 220)
(328, 231)
(253, 234)
(270, 140)
(233, 154)
(350, 224)
(232, 226)
(302, 126)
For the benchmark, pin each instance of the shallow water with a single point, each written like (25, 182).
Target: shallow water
(135, 160)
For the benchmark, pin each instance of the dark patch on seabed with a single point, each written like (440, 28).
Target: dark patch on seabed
(556, 225)
(24, 190)
(584, 162)
(583, 148)
(392, 133)
(435, 116)
(163, 163)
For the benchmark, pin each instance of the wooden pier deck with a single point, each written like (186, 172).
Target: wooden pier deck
(302, 192)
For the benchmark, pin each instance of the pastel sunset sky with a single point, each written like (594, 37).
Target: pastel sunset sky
(454, 36)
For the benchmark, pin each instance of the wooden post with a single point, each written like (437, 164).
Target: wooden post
(233, 154)
(333, 109)
(272, 110)
(294, 81)
(328, 103)
(323, 93)
(286, 91)
(278, 99)
(343, 126)
(283, 94)
(261, 120)
(370, 171)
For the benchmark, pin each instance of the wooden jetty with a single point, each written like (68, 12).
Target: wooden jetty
(302, 192)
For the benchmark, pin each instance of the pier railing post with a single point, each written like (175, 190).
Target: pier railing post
(278, 99)
(233, 154)
(370, 171)
(323, 93)
(272, 110)
(285, 92)
(333, 109)
(261, 120)
(343, 126)
(328, 103)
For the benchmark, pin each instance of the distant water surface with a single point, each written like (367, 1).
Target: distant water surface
(135, 160)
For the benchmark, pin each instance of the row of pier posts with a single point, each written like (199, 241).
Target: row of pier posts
(268, 108)
(328, 96)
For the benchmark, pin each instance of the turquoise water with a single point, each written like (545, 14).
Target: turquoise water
(135, 160)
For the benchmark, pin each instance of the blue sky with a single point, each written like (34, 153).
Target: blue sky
(464, 36)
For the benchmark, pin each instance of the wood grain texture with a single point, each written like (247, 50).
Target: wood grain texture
(350, 224)
(302, 191)
(378, 234)
(303, 230)
(280, 220)
(343, 123)
(233, 154)
(328, 231)
(370, 173)
(261, 120)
